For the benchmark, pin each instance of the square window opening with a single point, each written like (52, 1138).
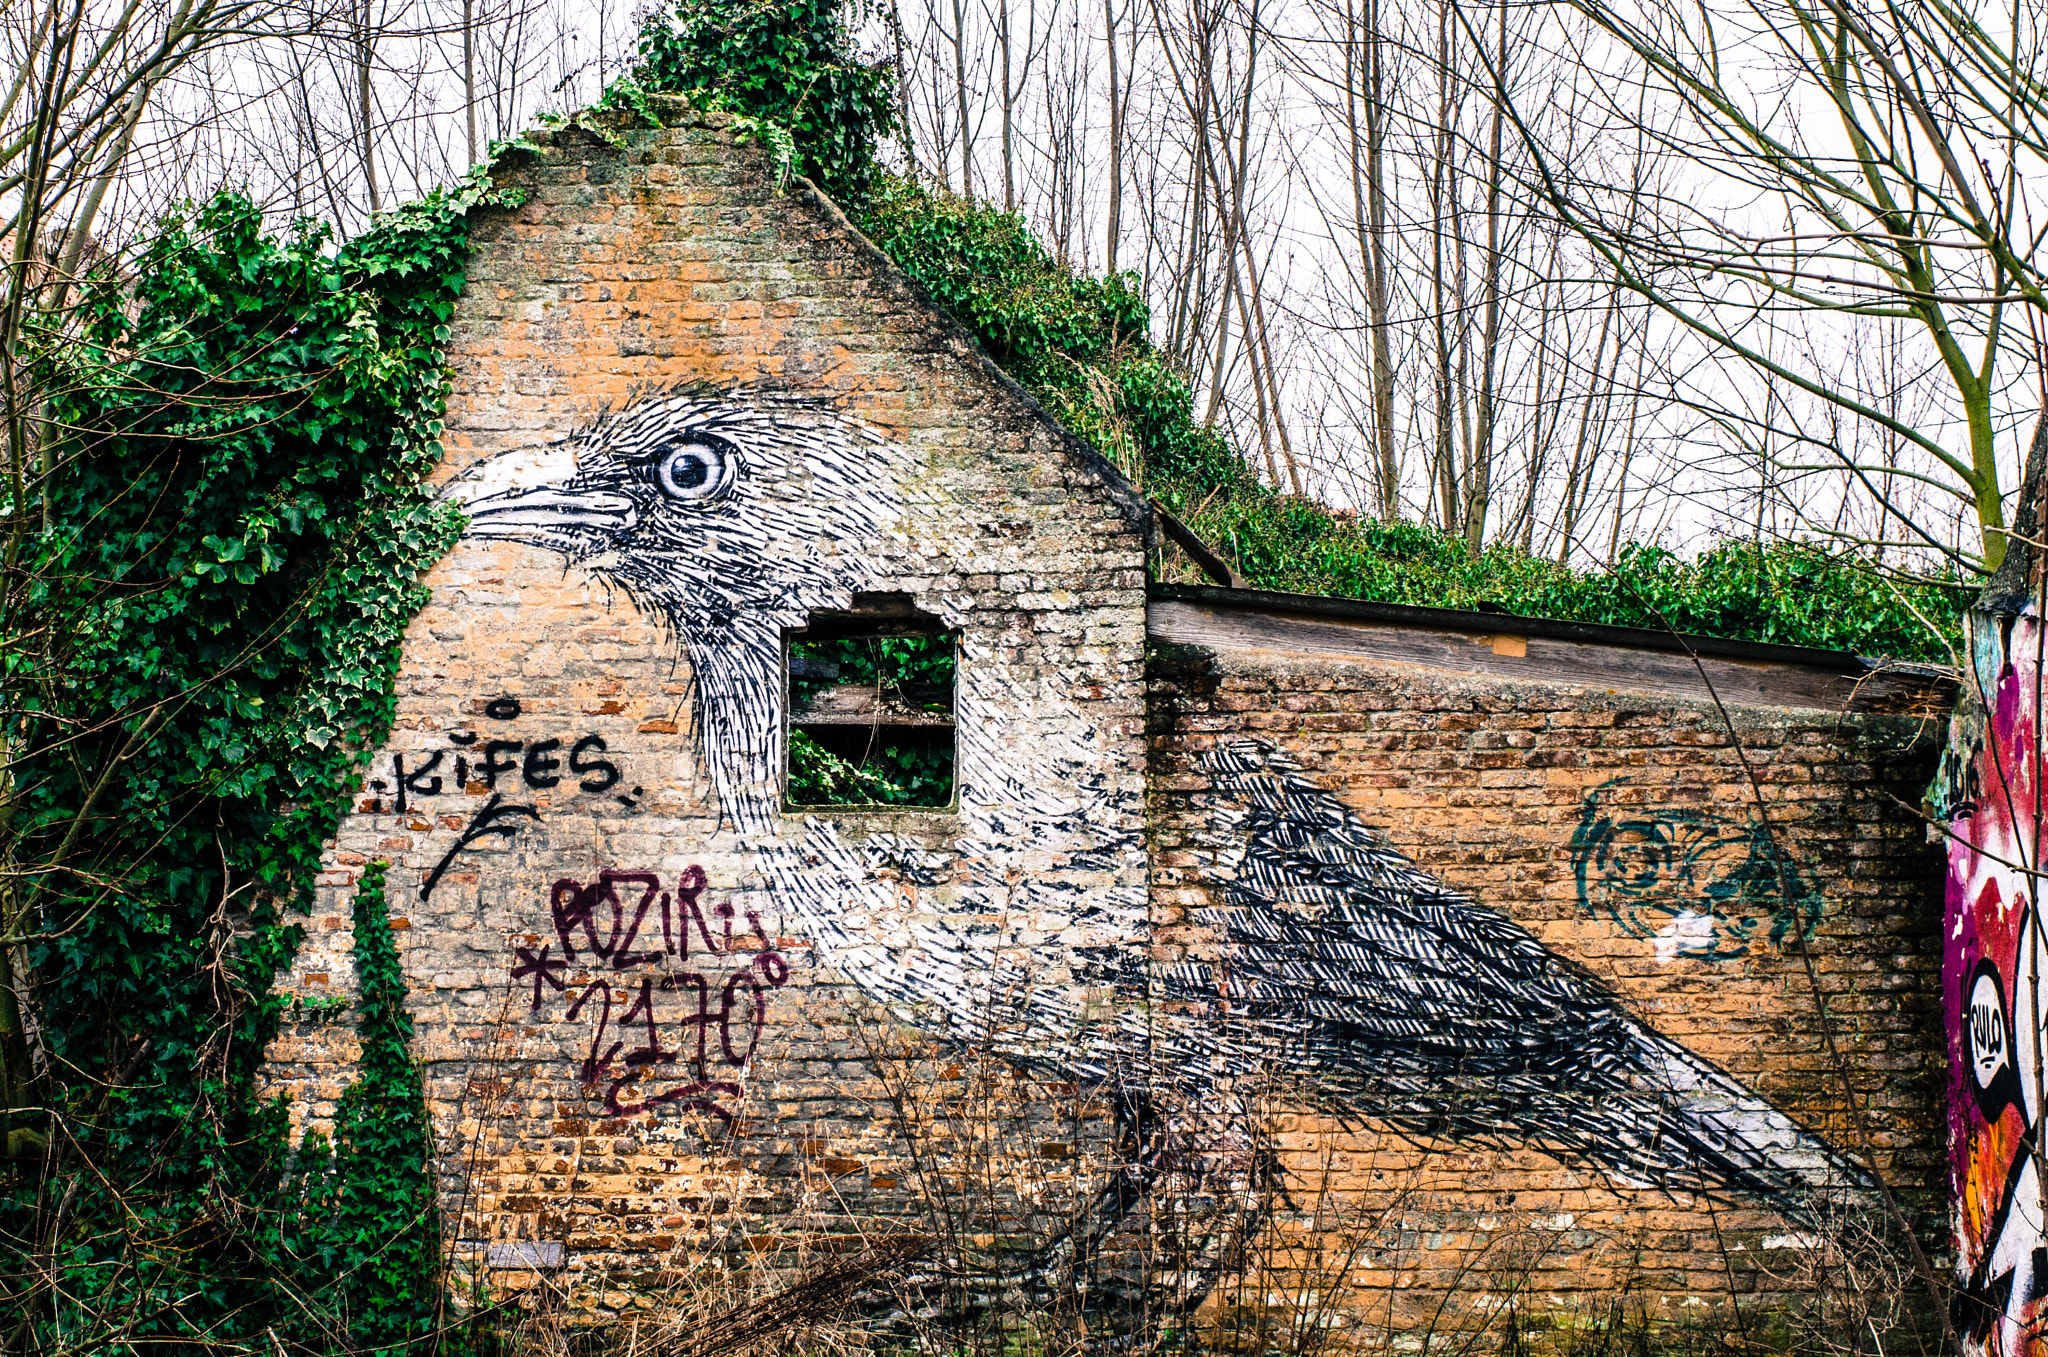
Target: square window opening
(870, 702)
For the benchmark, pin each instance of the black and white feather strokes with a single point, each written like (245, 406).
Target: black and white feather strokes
(1339, 962)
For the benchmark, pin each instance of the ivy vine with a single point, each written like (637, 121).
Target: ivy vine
(373, 1225)
(789, 70)
(213, 585)
(887, 765)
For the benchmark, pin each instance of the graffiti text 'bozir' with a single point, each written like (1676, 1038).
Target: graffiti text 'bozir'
(694, 1028)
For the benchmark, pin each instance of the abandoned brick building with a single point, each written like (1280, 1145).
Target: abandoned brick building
(1450, 959)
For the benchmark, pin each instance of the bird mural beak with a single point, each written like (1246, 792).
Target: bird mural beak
(530, 515)
(536, 495)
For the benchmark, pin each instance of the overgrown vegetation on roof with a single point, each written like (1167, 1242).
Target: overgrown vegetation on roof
(1081, 345)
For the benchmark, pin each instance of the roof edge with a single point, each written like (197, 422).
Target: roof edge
(1122, 490)
(1591, 633)
(674, 112)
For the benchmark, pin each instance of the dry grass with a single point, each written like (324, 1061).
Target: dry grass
(1029, 1219)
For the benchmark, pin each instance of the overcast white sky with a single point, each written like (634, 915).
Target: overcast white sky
(1577, 376)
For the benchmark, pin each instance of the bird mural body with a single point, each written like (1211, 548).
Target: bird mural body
(1408, 1002)
(1325, 958)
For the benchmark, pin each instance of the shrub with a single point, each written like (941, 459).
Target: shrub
(1783, 593)
(790, 63)
(229, 555)
(1080, 345)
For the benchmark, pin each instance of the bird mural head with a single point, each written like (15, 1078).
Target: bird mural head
(729, 516)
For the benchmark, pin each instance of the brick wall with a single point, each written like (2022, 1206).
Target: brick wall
(675, 1034)
(1502, 792)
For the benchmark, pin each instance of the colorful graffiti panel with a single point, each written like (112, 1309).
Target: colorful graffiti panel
(1991, 973)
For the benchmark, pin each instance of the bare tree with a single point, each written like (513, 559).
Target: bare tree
(1365, 69)
(1014, 80)
(1119, 96)
(81, 120)
(1479, 462)
(958, 38)
(1891, 145)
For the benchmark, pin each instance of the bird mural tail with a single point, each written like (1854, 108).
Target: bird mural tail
(1711, 1132)
(1402, 1001)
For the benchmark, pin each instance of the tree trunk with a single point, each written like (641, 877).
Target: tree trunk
(1443, 209)
(1009, 100)
(1222, 344)
(1580, 472)
(902, 89)
(960, 93)
(1479, 481)
(365, 106)
(1524, 524)
(1251, 356)
(1116, 141)
(469, 74)
(1373, 256)
(1255, 323)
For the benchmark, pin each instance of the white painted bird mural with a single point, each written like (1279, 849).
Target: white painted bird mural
(1360, 980)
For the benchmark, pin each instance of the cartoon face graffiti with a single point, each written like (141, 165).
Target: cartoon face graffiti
(1989, 1033)
(1998, 1298)
(1695, 883)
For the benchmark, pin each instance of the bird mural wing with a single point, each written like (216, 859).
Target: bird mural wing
(1338, 961)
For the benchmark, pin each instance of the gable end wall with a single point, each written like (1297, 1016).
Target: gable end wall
(672, 266)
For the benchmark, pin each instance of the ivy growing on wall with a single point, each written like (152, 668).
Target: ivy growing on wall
(213, 584)
(787, 66)
(373, 1226)
(1080, 345)
(887, 764)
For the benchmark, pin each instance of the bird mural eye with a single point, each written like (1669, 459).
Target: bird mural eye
(696, 469)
